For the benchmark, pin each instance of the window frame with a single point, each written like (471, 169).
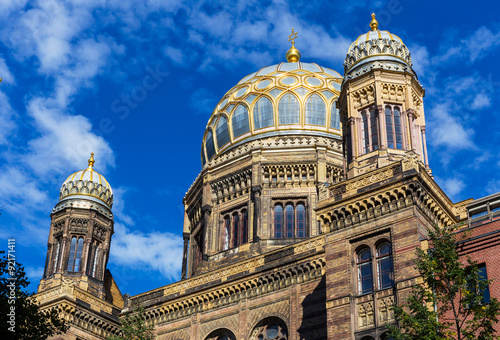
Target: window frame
(286, 219)
(374, 263)
(369, 130)
(391, 126)
(230, 237)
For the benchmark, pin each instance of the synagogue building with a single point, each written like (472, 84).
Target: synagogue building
(314, 191)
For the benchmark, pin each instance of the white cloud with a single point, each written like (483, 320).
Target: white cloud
(480, 101)
(482, 40)
(447, 130)
(453, 186)
(493, 186)
(65, 142)
(34, 274)
(151, 251)
(7, 124)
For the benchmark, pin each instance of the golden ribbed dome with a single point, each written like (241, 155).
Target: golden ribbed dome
(284, 99)
(376, 45)
(89, 184)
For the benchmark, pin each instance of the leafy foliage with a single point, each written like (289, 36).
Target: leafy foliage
(134, 326)
(20, 315)
(449, 304)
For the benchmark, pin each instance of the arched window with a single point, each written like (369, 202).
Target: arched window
(393, 127)
(289, 110)
(92, 259)
(222, 132)
(369, 130)
(384, 265)
(236, 229)
(278, 221)
(72, 250)
(240, 121)
(271, 328)
(56, 256)
(301, 220)
(226, 232)
(315, 111)
(209, 143)
(79, 250)
(96, 257)
(289, 221)
(335, 117)
(263, 113)
(244, 227)
(75, 254)
(221, 334)
(365, 277)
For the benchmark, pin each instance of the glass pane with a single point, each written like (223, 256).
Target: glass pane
(263, 113)
(95, 261)
(272, 331)
(301, 220)
(335, 117)
(385, 272)
(289, 66)
(484, 276)
(310, 67)
(388, 126)
(374, 130)
(290, 221)
(240, 121)
(364, 255)
(226, 233)
(288, 81)
(278, 221)
(222, 132)
(210, 145)
(236, 228)
(72, 250)
(365, 133)
(289, 110)
(384, 249)
(244, 227)
(315, 111)
(365, 281)
(397, 129)
(78, 258)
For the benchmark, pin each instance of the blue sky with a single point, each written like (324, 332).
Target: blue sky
(136, 82)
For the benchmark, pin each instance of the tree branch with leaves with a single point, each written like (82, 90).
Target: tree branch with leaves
(449, 303)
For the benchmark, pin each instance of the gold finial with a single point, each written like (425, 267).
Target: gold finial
(293, 54)
(374, 23)
(91, 160)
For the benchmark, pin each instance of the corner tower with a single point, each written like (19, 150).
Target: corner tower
(381, 103)
(80, 234)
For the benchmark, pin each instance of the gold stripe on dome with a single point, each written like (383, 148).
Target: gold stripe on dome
(300, 75)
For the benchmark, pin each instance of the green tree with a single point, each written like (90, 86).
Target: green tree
(449, 304)
(134, 326)
(20, 315)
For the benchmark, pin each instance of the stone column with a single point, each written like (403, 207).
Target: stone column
(256, 199)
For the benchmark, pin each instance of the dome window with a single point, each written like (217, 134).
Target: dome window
(209, 143)
(315, 111)
(222, 132)
(335, 118)
(263, 113)
(289, 110)
(240, 121)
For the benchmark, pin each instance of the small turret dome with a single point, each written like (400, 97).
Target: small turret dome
(377, 46)
(87, 184)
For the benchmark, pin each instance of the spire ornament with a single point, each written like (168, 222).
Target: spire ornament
(374, 23)
(293, 54)
(91, 160)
